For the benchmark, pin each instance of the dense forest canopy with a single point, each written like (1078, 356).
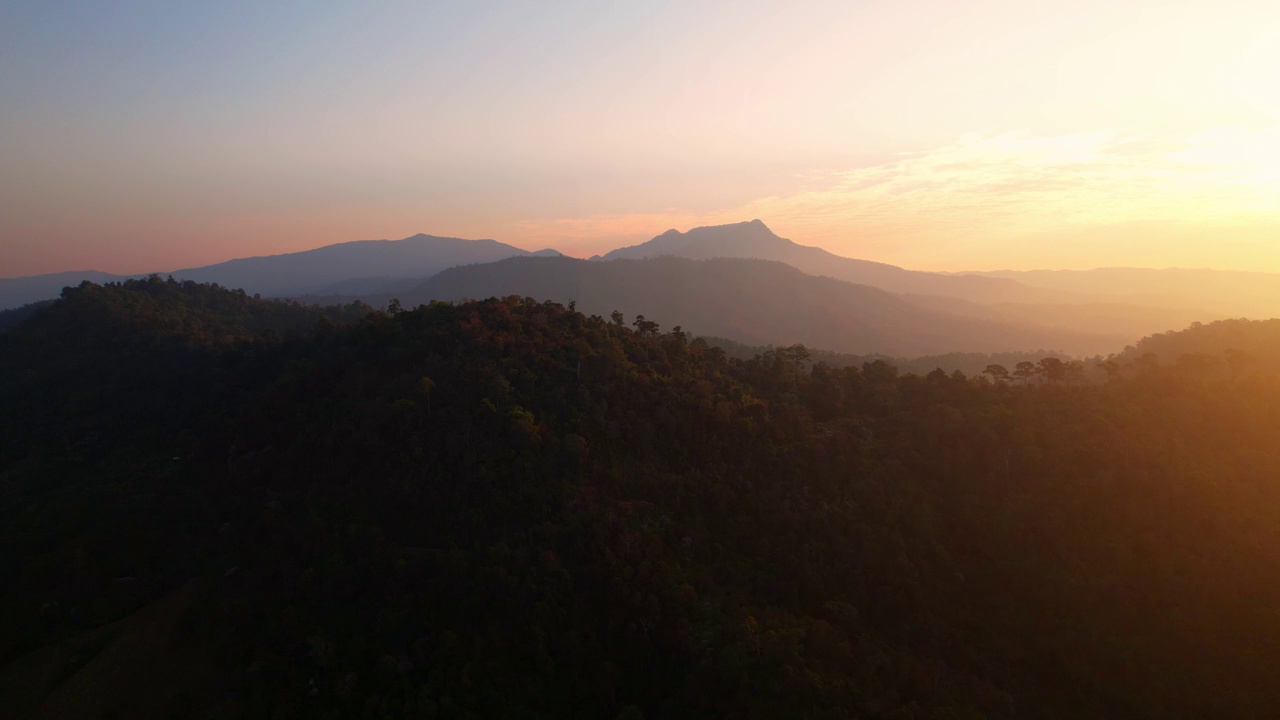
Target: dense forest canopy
(1234, 347)
(220, 506)
(967, 363)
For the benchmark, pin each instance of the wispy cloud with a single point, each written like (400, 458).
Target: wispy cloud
(989, 192)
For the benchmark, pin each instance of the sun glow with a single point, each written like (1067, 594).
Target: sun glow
(925, 133)
(1203, 199)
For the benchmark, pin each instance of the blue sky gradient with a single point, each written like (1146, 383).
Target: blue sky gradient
(139, 136)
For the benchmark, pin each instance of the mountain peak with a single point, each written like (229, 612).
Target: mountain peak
(749, 238)
(747, 228)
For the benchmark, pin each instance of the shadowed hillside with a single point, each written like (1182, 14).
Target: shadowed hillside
(510, 509)
(754, 240)
(751, 301)
(15, 292)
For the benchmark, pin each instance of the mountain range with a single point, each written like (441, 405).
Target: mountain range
(360, 266)
(753, 301)
(755, 240)
(744, 282)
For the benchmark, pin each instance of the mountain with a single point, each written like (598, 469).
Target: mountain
(16, 292)
(313, 271)
(363, 266)
(1131, 304)
(754, 240)
(1224, 293)
(750, 301)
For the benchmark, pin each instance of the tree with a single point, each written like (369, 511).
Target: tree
(879, 372)
(796, 355)
(998, 373)
(1147, 364)
(1239, 362)
(1075, 372)
(1111, 368)
(425, 386)
(1053, 370)
(646, 328)
(1023, 371)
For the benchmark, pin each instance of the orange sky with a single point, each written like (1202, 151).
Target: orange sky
(929, 134)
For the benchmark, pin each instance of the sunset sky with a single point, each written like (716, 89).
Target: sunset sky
(933, 134)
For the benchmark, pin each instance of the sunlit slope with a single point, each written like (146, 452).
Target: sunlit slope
(1224, 293)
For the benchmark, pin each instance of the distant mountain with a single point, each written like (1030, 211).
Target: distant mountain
(751, 301)
(16, 292)
(754, 240)
(315, 271)
(1225, 293)
(360, 267)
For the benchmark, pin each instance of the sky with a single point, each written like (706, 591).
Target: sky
(932, 134)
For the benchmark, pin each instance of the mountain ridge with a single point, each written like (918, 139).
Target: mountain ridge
(297, 273)
(724, 297)
(754, 239)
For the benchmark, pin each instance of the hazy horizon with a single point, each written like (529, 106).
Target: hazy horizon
(603, 249)
(929, 135)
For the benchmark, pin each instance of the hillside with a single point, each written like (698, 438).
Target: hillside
(750, 301)
(16, 292)
(1234, 349)
(506, 508)
(755, 240)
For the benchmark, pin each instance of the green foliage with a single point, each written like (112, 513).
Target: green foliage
(508, 509)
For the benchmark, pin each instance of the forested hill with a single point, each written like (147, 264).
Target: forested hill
(1227, 347)
(752, 301)
(507, 508)
(155, 307)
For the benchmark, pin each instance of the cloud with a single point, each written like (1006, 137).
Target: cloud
(990, 192)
